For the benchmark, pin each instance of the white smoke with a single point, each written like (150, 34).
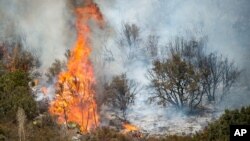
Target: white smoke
(43, 25)
(225, 23)
(47, 29)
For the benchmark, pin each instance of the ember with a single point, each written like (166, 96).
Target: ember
(129, 127)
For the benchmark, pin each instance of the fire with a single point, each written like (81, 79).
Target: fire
(75, 96)
(129, 127)
(44, 90)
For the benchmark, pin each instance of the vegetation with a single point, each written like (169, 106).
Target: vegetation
(13, 57)
(129, 42)
(120, 94)
(219, 130)
(216, 131)
(54, 70)
(188, 74)
(14, 93)
(16, 99)
(183, 80)
(177, 83)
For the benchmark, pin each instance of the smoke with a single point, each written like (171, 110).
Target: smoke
(225, 24)
(45, 27)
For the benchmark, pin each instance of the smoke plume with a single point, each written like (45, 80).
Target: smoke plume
(45, 27)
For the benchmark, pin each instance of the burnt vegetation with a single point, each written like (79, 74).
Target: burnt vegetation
(188, 78)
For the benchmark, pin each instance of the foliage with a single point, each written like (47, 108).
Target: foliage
(176, 82)
(188, 73)
(13, 57)
(129, 42)
(219, 130)
(106, 134)
(48, 131)
(170, 138)
(14, 93)
(120, 93)
(216, 131)
(54, 70)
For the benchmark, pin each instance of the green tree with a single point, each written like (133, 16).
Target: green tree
(220, 129)
(14, 93)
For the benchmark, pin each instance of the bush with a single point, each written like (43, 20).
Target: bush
(120, 94)
(106, 134)
(171, 138)
(14, 93)
(220, 129)
(188, 75)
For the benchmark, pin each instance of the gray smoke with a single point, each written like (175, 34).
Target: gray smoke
(47, 28)
(226, 24)
(44, 27)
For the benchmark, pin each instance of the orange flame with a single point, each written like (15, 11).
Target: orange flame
(129, 127)
(75, 97)
(44, 90)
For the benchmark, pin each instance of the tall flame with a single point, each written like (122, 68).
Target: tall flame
(75, 96)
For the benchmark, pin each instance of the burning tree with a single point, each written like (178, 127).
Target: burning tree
(14, 57)
(75, 97)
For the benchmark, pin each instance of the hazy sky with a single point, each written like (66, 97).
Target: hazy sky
(225, 22)
(46, 27)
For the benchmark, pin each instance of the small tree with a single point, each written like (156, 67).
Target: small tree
(175, 82)
(188, 73)
(152, 45)
(54, 70)
(120, 93)
(14, 93)
(17, 58)
(129, 41)
(212, 71)
(230, 75)
(217, 71)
